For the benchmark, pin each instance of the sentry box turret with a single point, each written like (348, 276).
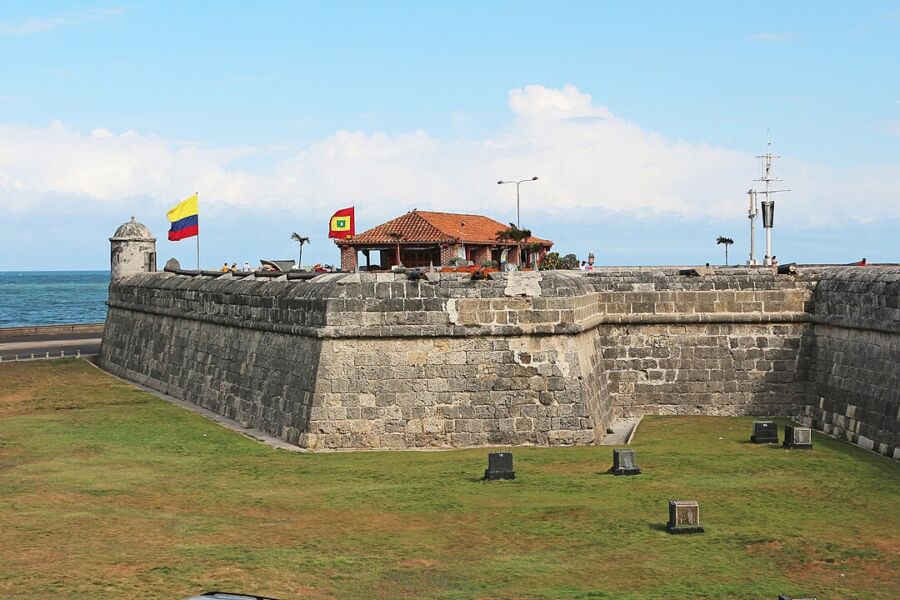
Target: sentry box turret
(623, 462)
(799, 438)
(684, 517)
(500, 466)
(764, 432)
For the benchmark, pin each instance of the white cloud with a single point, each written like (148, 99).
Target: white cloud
(42, 24)
(551, 103)
(586, 157)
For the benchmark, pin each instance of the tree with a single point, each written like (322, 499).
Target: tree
(554, 261)
(727, 241)
(515, 234)
(397, 237)
(550, 262)
(302, 241)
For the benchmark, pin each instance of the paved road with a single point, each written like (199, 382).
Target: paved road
(41, 341)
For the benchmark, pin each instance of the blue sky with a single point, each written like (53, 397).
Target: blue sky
(642, 120)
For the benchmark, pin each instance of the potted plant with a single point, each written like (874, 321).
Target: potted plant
(489, 266)
(456, 265)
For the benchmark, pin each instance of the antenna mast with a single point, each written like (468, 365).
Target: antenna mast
(767, 178)
(752, 215)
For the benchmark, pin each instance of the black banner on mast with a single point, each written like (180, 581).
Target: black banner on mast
(768, 213)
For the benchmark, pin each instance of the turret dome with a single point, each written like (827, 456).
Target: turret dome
(132, 230)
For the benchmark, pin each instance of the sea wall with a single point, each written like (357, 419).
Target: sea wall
(380, 361)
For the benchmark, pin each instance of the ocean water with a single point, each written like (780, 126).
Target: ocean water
(52, 297)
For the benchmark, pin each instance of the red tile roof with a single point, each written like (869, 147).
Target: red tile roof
(419, 226)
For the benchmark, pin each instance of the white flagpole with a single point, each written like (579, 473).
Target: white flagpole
(198, 229)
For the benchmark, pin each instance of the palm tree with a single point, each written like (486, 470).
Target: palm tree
(300, 240)
(396, 237)
(727, 241)
(517, 235)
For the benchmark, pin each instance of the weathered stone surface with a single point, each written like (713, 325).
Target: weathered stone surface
(132, 250)
(523, 284)
(854, 357)
(375, 360)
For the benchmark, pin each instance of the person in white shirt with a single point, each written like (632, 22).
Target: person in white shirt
(246, 265)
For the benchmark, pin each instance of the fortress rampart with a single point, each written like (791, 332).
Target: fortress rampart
(378, 361)
(853, 357)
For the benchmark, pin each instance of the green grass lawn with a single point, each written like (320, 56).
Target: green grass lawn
(109, 492)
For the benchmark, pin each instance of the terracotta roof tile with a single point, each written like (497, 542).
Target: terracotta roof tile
(420, 226)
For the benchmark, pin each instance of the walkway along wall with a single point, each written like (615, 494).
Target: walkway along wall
(377, 361)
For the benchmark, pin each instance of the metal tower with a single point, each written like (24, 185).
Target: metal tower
(766, 177)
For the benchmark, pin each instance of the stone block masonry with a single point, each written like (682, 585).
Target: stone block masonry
(703, 369)
(447, 391)
(354, 361)
(854, 358)
(373, 360)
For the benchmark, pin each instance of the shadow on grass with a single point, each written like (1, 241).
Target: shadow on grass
(842, 446)
(659, 527)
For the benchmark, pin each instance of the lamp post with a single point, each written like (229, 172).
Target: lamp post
(518, 223)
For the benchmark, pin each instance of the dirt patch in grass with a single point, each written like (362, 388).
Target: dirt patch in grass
(241, 580)
(765, 548)
(65, 384)
(418, 563)
(855, 574)
(848, 569)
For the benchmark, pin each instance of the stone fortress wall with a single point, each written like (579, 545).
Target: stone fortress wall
(853, 356)
(378, 361)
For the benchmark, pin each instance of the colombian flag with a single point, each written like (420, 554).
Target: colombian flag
(184, 220)
(342, 224)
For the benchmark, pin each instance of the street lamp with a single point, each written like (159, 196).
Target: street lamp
(518, 224)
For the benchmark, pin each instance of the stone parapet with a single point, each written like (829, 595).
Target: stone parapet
(389, 305)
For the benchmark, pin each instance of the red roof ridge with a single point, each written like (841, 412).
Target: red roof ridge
(441, 212)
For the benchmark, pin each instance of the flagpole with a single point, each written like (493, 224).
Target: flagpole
(198, 230)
